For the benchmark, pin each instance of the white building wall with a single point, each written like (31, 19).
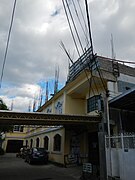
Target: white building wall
(113, 89)
(120, 157)
(126, 78)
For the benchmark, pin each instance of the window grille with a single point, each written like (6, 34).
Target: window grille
(92, 103)
(57, 143)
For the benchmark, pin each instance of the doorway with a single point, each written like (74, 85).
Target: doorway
(14, 146)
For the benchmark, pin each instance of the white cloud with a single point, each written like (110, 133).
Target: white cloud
(39, 26)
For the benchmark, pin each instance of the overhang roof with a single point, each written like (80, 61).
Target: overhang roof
(40, 118)
(125, 101)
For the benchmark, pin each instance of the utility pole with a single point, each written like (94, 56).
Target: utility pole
(104, 129)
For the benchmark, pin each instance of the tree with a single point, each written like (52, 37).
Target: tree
(4, 128)
(3, 106)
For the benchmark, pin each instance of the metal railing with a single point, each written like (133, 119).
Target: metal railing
(86, 60)
(123, 140)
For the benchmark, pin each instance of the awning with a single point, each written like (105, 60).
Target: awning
(40, 118)
(125, 101)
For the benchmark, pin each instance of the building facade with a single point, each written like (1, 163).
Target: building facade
(87, 84)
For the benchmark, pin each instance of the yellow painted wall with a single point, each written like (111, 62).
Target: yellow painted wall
(12, 136)
(74, 106)
(53, 155)
(83, 139)
(74, 97)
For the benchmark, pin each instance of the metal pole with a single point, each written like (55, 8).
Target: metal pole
(109, 134)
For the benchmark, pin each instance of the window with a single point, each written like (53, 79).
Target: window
(57, 143)
(31, 143)
(21, 128)
(92, 103)
(26, 143)
(37, 142)
(46, 141)
(18, 128)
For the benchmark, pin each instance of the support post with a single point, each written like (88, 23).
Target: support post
(102, 156)
(104, 128)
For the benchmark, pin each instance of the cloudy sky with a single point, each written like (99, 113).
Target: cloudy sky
(34, 49)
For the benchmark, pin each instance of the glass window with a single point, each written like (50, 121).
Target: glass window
(37, 142)
(18, 128)
(26, 143)
(57, 143)
(92, 103)
(46, 142)
(21, 128)
(31, 143)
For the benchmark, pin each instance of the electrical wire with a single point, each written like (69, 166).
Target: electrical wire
(74, 25)
(70, 27)
(7, 44)
(89, 80)
(94, 58)
(91, 51)
(82, 15)
(73, 35)
(90, 68)
(85, 34)
(89, 28)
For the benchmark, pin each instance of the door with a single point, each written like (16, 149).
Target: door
(14, 146)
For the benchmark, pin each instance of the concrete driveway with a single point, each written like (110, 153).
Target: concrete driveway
(12, 168)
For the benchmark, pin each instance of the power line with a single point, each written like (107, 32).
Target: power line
(70, 27)
(93, 56)
(91, 46)
(82, 15)
(89, 80)
(89, 28)
(76, 11)
(74, 26)
(7, 45)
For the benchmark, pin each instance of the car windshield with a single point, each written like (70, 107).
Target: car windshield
(38, 150)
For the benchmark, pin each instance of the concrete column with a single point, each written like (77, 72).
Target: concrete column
(102, 156)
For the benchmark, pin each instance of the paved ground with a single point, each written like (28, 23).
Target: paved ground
(12, 168)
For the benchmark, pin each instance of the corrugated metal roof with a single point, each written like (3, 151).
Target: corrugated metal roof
(125, 101)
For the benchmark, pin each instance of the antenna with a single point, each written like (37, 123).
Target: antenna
(46, 96)
(112, 48)
(64, 48)
(34, 104)
(40, 97)
(56, 80)
(12, 105)
(29, 107)
(115, 64)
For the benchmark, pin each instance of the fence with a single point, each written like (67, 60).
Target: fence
(120, 156)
